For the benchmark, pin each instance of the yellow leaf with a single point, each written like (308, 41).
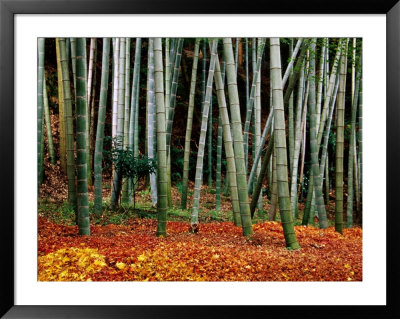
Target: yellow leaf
(142, 257)
(346, 266)
(349, 279)
(120, 265)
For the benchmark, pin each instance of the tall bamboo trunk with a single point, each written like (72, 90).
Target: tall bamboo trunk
(69, 128)
(126, 183)
(117, 179)
(194, 221)
(92, 118)
(230, 180)
(351, 171)
(241, 174)
(151, 119)
(162, 183)
(189, 124)
(98, 152)
(360, 148)
(280, 146)
(61, 116)
(300, 118)
(261, 176)
(319, 200)
(48, 122)
(340, 141)
(40, 77)
(81, 129)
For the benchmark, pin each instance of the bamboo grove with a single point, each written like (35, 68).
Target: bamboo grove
(273, 126)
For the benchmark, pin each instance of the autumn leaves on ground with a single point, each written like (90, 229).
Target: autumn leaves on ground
(130, 250)
(218, 252)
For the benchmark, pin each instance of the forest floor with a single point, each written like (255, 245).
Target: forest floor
(123, 245)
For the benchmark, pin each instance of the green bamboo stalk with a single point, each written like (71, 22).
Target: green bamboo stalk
(117, 179)
(340, 141)
(327, 180)
(262, 175)
(61, 116)
(280, 146)
(134, 95)
(151, 119)
(127, 91)
(256, 159)
(41, 161)
(88, 167)
(236, 55)
(350, 174)
(300, 118)
(92, 116)
(73, 63)
(203, 72)
(69, 128)
(172, 54)
(296, 71)
(48, 122)
(252, 96)
(257, 123)
(92, 62)
(324, 152)
(116, 54)
(291, 120)
(331, 86)
(293, 55)
(319, 200)
(40, 77)
(218, 177)
(98, 152)
(81, 149)
(126, 183)
(189, 124)
(360, 146)
(162, 205)
(176, 54)
(174, 87)
(167, 74)
(319, 82)
(227, 138)
(136, 107)
(274, 189)
(218, 171)
(209, 145)
(194, 220)
(241, 174)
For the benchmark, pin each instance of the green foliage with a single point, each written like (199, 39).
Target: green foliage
(128, 166)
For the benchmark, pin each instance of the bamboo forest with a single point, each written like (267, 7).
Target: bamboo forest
(199, 159)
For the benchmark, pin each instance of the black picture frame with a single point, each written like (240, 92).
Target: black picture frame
(8, 8)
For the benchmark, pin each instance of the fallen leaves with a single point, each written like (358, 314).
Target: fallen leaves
(218, 252)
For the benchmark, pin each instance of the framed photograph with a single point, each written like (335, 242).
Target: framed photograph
(33, 285)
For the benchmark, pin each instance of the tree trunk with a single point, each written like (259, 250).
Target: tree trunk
(241, 174)
(340, 141)
(189, 124)
(280, 146)
(162, 183)
(81, 129)
(98, 153)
